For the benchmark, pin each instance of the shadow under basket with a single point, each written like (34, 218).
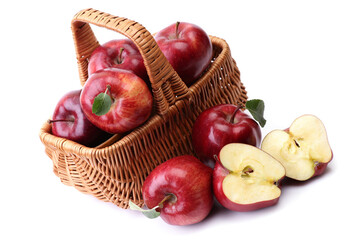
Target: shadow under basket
(115, 170)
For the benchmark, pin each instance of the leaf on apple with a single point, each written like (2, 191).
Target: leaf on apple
(256, 108)
(102, 103)
(150, 213)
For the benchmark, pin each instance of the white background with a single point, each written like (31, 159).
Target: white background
(298, 56)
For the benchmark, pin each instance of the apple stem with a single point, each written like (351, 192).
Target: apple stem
(232, 119)
(119, 60)
(177, 29)
(61, 120)
(166, 198)
(107, 90)
(108, 87)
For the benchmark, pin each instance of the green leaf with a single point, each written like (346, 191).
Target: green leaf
(102, 104)
(150, 213)
(256, 108)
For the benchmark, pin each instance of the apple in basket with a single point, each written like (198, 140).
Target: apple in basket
(179, 190)
(119, 53)
(226, 123)
(188, 49)
(246, 178)
(69, 121)
(303, 148)
(116, 100)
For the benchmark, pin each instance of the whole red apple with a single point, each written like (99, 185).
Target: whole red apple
(188, 49)
(220, 125)
(69, 121)
(246, 178)
(122, 54)
(124, 100)
(182, 189)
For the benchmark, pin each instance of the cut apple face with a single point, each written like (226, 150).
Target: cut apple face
(253, 174)
(301, 149)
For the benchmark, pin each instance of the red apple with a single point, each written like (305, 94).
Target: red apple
(180, 189)
(123, 101)
(303, 148)
(220, 125)
(246, 178)
(188, 49)
(122, 54)
(69, 121)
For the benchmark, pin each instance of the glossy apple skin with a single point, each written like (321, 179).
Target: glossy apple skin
(218, 177)
(190, 181)
(132, 100)
(212, 130)
(320, 168)
(189, 53)
(108, 55)
(79, 129)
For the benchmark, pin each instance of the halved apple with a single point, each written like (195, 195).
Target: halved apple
(303, 149)
(246, 178)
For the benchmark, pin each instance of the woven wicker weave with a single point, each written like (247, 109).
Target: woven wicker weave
(116, 170)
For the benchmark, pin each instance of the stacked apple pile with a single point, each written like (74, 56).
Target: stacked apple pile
(116, 97)
(232, 167)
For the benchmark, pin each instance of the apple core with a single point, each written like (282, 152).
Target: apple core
(253, 174)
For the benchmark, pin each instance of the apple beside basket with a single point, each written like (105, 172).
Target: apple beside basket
(115, 170)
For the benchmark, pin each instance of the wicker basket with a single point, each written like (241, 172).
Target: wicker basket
(116, 170)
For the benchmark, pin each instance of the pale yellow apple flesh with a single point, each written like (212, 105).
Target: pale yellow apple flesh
(300, 148)
(253, 174)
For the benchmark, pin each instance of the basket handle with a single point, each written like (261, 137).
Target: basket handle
(167, 86)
